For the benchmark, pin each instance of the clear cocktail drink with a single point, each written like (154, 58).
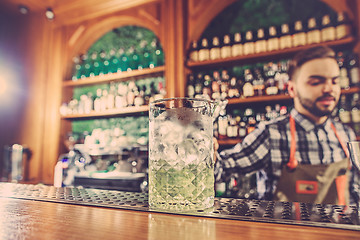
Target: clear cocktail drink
(181, 168)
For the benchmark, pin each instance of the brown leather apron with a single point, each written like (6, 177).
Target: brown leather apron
(321, 183)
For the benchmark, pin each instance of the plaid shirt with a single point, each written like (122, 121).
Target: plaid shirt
(267, 150)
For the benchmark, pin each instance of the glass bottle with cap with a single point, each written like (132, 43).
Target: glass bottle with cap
(215, 49)
(299, 36)
(226, 47)
(249, 47)
(204, 53)
(237, 47)
(260, 43)
(273, 40)
(327, 29)
(194, 52)
(343, 25)
(285, 38)
(313, 33)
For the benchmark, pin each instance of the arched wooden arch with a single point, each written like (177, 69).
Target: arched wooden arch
(83, 37)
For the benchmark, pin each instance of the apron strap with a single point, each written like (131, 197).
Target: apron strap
(292, 164)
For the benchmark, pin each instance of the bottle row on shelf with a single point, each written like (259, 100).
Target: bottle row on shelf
(270, 78)
(144, 55)
(348, 111)
(240, 81)
(236, 124)
(116, 96)
(300, 33)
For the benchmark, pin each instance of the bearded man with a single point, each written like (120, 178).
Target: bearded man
(302, 157)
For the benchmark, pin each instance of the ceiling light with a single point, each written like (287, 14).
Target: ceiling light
(23, 9)
(49, 14)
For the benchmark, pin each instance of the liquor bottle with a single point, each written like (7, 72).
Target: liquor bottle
(89, 103)
(76, 73)
(344, 79)
(268, 113)
(215, 86)
(112, 68)
(258, 83)
(224, 86)
(190, 89)
(249, 47)
(283, 110)
(283, 79)
(270, 71)
(145, 54)
(242, 129)
(248, 88)
(198, 85)
(84, 66)
(233, 128)
(344, 110)
(251, 124)
(194, 52)
(159, 54)
(225, 50)
(215, 49)
(120, 98)
(106, 63)
(273, 41)
(161, 88)
(204, 53)
(153, 91)
(111, 96)
(233, 88)
(130, 97)
(137, 60)
(237, 47)
(313, 33)
(101, 61)
(147, 93)
(355, 113)
(97, 101)
(223, 124)
(353, 68)
(206, 88)
(104, 100)
(260, 43)
(94, 64)
(327, 29)
(139, 96)
(132, 57)
(285, 38)
(343, 26)
(299, 36)
(123, 60)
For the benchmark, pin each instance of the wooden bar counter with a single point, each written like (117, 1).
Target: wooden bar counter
(37, 219)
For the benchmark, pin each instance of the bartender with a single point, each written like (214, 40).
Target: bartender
(301, 156)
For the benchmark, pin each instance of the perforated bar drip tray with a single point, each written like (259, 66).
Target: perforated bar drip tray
(332, 216)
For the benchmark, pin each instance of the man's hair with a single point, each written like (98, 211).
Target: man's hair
(307, 55)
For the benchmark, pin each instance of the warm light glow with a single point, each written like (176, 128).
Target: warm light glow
(3, 86)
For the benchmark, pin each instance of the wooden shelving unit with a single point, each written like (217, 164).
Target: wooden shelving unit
(108, 113)
(121, 76)
(264, 56)
(277, 98)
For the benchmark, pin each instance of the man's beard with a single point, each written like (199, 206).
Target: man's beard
(312, 108)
